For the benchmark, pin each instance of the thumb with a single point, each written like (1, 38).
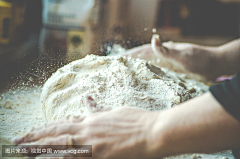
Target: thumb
(157, 47)
(93, 107)
(167, 50)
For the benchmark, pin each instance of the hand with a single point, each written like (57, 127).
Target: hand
(119, 133)
(181, 57)
(187, 57)
(142, 52)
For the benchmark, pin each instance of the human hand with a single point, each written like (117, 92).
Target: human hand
(187, 57)
(143, 52)
(119, 133)
(196, 60)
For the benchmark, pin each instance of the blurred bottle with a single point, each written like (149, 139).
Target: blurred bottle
(65, 29)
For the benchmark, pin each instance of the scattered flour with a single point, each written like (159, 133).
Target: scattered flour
(154, 54)
(20, 112)
(26, 112)
(114, 81)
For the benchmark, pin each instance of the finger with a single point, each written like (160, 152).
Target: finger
(56, 144)
(93, 107)
(75, 118)
(134, 51)
(67, 119)
(71, 154)
(47, 124)
(90, 104)
(50, 131)
(157, 41)
(64, 141)
(50, 156)
(56, 156)
(157, 46)
(103, 109)
(61, 142)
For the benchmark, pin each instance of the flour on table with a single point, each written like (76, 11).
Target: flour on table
(114, 81)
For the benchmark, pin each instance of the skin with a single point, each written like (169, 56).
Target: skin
(101, 130)
(198, 125)
(206, 61)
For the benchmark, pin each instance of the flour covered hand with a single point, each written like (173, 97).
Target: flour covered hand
(189, 58)
(201, 61)
(119, 133)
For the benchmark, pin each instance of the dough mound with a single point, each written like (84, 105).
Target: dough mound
(114, 82)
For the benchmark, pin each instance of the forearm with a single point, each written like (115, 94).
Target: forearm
(198, 125)
(230, 57)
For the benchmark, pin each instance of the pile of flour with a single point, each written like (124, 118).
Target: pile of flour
(114, 82)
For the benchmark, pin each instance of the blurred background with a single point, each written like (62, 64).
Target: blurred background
(39, 36)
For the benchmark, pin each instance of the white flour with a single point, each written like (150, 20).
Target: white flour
(20, 110)
(114, 82)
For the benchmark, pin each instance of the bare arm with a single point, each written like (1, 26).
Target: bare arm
(198, 125)
(206, 61)
(231, 57)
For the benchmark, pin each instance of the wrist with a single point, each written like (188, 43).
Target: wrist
(156, 145)
(229, 57)
(216, 61)
(219, 61)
